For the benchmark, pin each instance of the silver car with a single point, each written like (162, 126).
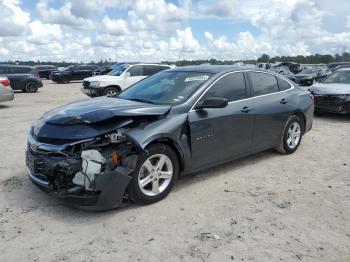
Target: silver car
(6, 92)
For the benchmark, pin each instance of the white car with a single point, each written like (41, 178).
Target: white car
(6, 92)
(121, 77)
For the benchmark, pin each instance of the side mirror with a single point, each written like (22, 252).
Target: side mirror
(212, 102)
(127, 74)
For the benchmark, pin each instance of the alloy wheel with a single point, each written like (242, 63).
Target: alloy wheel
(155, 175)
(294, 134)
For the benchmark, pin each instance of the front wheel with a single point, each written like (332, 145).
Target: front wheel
(155, 174)
(291, 136)
(111, 91)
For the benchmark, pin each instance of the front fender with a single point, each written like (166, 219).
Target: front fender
(173, 128)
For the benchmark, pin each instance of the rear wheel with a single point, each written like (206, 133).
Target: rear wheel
(31, 87)
(292, 135)
(154, 175)
(65, 80)
(111, 91)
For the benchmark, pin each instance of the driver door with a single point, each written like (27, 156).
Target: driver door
(221, 134)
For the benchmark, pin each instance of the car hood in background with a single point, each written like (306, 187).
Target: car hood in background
(304, 75)
(103, 78)
(331, 89)
(100, 109)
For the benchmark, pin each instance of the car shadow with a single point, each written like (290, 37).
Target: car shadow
(4, 106)
(332, 117)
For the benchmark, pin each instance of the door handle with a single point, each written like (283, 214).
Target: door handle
(246, 109)
(284, 101)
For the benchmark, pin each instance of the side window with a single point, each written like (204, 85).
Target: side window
(263, 84)
(232, 87)
(20, 70)
(152, 69)
(283, 84)
(136, 70)
(4, 70)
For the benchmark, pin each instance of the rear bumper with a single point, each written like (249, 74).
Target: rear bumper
(7, 97)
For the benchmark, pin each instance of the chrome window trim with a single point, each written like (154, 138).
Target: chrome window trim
(244, 71)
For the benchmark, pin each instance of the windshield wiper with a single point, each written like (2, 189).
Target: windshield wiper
(141, 100)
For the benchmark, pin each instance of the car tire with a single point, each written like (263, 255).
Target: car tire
(111, 91)
(65, 80)
(291, 136)
(148, 185)
(31, 87)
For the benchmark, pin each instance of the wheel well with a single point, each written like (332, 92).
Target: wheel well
(302, 118)
(115, 86)
(172, 145)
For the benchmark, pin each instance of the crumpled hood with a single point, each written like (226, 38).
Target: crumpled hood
(106, 78)
(99, 109)
(331, 89)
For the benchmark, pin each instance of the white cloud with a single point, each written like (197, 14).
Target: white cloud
(13, 19)
(154, 30)
(41, 34)
(184, 41)
(115, 27)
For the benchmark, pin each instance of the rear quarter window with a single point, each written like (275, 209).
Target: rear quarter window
(263, 84)
(283, 84)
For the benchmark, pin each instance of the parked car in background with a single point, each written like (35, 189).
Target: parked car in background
(337, 65)
(92, 154)
(310, 76)
(285, 72)
(107, 69)
(121, 77)
(25, 78)
(45, 70)
(333, 93)
(6, 92)
(73, 72)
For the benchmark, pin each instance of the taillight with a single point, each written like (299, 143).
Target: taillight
(5, 82)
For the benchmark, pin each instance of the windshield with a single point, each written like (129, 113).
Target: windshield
(340, 77)
(166, 88)
(118, 70)
(308, 71)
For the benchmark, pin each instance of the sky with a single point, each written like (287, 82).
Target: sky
(158, 30)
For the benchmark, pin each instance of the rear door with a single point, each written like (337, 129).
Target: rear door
(272, 107)
(220, 134)
(17, 76)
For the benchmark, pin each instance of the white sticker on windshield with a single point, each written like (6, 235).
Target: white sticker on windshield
(197, 78)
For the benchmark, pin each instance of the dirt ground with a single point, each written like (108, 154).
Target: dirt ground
(267, 207)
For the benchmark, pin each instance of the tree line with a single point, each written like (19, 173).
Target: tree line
(311, 59)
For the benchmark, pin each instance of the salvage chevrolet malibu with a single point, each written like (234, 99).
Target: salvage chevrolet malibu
(95, 153)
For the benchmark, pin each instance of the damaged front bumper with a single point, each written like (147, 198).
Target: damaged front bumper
(109, 193)
(55, 175)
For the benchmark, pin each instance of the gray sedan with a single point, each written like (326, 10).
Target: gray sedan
(6, 92)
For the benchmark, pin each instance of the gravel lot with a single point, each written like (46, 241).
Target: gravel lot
(267, 207)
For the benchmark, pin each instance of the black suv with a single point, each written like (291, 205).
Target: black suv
(45, 70)
(25, 78)
(73, 72)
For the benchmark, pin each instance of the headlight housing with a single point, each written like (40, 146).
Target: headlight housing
(95, 84)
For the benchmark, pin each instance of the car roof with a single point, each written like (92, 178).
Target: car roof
(343, 69)
(25, 66)
(214, 69)
(148, 64)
